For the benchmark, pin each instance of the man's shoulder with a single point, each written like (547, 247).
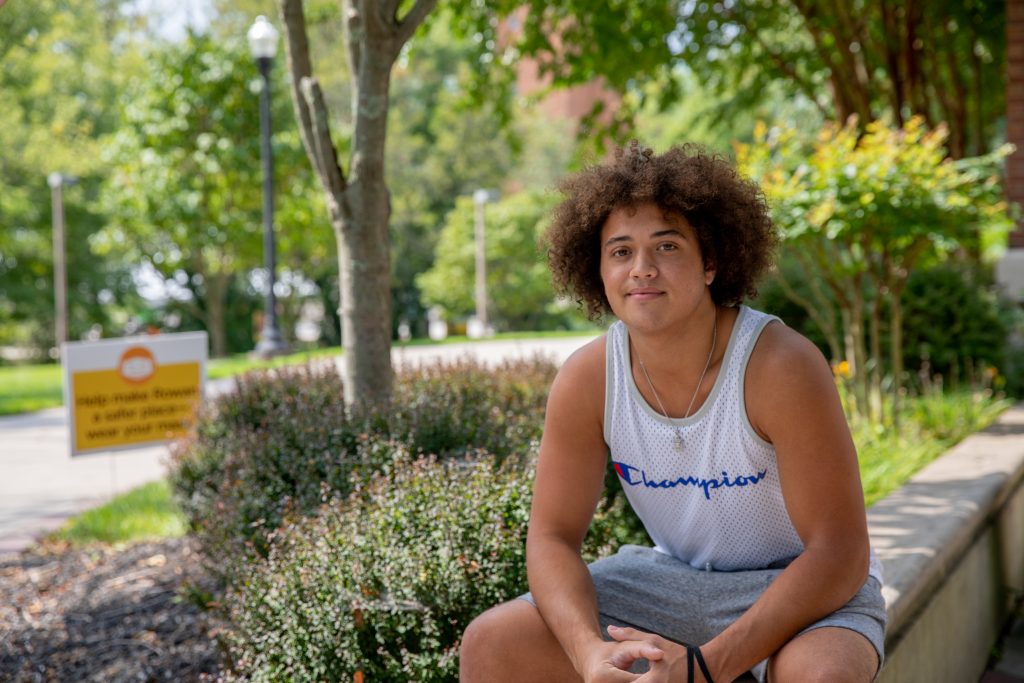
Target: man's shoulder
(588, 360)
(780, 348)
(582, 376)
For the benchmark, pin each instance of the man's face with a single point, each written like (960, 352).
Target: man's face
(651, 266)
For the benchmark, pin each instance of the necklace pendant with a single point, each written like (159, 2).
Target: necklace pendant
(679, 442)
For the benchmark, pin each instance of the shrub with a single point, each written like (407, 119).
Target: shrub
(952, 321)
(264, 451)
(385, 582)
(955, 324)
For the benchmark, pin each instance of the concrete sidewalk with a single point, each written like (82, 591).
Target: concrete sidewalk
(41, 485)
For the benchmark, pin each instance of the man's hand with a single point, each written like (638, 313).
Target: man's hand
(609, 662)
(669, 666)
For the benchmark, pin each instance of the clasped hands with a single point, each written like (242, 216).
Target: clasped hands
(610, 661)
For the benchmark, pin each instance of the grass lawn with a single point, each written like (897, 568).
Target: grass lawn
(30, 387)
(933, 424)
(146, 512)
(24, 388)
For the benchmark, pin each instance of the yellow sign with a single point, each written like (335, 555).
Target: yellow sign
(145, 390)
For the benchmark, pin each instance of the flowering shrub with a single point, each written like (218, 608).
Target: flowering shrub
(859, 211)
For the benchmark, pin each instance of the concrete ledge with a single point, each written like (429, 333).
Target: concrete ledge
(951, 542)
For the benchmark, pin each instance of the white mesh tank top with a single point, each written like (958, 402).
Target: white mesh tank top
(717, 503)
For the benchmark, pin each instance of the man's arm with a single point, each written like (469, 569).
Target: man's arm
(568, 484)
(793, 403)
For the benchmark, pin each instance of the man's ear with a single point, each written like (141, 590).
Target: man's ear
(709, 273)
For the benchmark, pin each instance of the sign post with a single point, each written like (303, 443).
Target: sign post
(133, 391)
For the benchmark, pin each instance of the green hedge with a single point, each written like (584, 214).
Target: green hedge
(367, 542)
(385, 582)
(264, 452)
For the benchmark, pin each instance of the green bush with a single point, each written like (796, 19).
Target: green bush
(264, 451)
(386, 581)
(955, 324)
(952, 322)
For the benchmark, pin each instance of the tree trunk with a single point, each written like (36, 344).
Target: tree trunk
(856, 345)
(875, 330)
(216, 293)
(358, 205)
(896, 350)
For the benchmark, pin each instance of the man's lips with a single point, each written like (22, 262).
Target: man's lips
(644, 293)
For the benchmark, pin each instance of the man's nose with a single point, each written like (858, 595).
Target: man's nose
(643, 266)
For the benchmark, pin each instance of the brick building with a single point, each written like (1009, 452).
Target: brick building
(1015, 109)
(1010, 272)
(570, 104)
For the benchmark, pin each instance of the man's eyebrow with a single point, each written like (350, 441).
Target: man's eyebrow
(668, 232)
(665, 233)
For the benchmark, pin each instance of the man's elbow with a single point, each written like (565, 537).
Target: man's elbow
(847, 563)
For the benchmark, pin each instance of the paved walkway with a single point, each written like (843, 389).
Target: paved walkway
(41, 485)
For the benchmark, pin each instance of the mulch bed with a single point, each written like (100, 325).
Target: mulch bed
(106, 614)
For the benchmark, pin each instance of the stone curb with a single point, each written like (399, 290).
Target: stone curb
(964, 507)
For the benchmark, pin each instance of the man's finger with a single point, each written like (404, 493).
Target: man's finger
(647, 641)
(621, 633)
(632, 650)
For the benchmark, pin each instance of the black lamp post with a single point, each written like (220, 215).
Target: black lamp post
(263, 44)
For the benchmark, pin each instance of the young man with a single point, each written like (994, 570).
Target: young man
(728, 437)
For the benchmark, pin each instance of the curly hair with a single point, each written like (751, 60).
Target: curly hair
(729, 215)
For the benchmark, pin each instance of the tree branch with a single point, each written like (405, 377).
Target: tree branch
(815, 310)
(354, 35)
(893, 62)
(332, 178)
(412, 19)
(844, 103)
(315, 134)
(787, 68)
(374, 19)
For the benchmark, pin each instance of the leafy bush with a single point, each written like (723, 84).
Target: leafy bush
(952, 319)
(955, 324)
(860, 208)
(385, 582)
(264, 451)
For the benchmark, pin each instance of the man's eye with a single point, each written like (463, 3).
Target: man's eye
(668, 246)
(620, 252)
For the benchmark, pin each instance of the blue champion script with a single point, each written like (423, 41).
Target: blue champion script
(634, 476)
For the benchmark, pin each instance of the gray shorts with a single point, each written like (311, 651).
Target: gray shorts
(645, 589)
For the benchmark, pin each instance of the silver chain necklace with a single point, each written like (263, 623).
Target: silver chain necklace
(714, 340)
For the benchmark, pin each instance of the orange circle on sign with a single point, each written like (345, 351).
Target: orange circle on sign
(137, 365)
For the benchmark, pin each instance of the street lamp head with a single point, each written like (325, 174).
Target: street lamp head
(262, 38)
(483, 196)
(55, 180)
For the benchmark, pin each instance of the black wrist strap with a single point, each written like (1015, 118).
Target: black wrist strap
(693, 652)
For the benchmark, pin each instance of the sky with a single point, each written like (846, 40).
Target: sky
(171, 18)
